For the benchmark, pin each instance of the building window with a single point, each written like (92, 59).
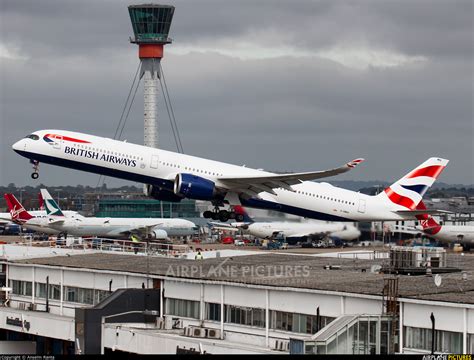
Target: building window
(213, 311)
(21, 287)
(55, 292)
(245, 316)
(101, 295)
(445, 341)
(40, 290)
(300, 323)
(470, 343)
(184, 308)
(79, 295)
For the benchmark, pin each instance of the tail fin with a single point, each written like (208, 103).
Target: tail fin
(41, 201)
(17, 211)
(409, 190)
(430, 226)
(52, 208)
(241, 211)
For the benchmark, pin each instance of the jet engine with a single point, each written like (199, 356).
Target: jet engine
(158, 234)
(162, 194)
(194, 187)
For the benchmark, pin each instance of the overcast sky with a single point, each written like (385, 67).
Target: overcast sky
(280, 85)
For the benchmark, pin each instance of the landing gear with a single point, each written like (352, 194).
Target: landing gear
(223, 215)
(35, 174)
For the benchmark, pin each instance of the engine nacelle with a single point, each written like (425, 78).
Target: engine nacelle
(162, 194)
(194, 187)
(158, 234)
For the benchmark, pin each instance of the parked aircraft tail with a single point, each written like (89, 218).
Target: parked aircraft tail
(239, 210)
(17, 211)
(52, 208)
(429, 225)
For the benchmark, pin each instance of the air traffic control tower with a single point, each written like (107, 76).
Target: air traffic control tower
(151, 24)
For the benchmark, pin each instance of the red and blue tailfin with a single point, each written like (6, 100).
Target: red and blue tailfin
(238, 209)
(17, 211)
(409, 190)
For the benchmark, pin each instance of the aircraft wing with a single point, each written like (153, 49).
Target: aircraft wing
(406, 229)
(256, 184)
(313, 233)
(227, 227)
(140, 230)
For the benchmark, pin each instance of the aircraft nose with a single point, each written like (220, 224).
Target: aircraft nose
(19, 145)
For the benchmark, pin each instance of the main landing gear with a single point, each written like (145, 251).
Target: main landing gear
(35, 175)
(223, 215)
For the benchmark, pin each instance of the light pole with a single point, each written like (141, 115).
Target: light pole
(103, 318)
(21, 195)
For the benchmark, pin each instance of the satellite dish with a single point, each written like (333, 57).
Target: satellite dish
(437, 280)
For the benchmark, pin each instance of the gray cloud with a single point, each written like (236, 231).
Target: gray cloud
(279, 113)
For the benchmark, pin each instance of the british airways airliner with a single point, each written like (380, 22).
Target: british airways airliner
(173, 176)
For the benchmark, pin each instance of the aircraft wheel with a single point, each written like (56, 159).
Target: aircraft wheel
(215, 216)
(35, 175)
(239, 217)
(207, 214)
(223, 215)
(232, 215)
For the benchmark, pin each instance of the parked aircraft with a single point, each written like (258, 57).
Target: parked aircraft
(75, 224)
(21, 217)
(173, 176)
(146, 228)
(450, 234)
(292, 231)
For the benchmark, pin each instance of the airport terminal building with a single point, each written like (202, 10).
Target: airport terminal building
(261, 303)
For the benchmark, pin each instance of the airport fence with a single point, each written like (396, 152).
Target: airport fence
(111, 246)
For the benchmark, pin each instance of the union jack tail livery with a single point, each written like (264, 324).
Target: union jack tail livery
(17, 211)
(409, 190)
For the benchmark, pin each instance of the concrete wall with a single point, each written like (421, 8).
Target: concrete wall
(43, 324)
(447, 318)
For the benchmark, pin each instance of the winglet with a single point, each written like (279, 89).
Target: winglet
(355, 162)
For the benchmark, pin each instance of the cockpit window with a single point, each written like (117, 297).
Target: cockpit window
(32, 137)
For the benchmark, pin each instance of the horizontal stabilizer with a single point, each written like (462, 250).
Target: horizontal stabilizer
(421, 212)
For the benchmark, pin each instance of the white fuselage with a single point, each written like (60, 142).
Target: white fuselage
(268, 230)
(34, 213)
(462, 234)
(121, 227)
(159, 168)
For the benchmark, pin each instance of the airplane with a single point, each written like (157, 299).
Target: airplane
(146, 228)
(171, 176)
(291, 231)
(20, 216)
(6, 219)
(448, 234)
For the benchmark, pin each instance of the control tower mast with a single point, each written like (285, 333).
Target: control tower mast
(151, 24)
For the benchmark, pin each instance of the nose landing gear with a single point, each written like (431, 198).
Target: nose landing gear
(35, 174)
